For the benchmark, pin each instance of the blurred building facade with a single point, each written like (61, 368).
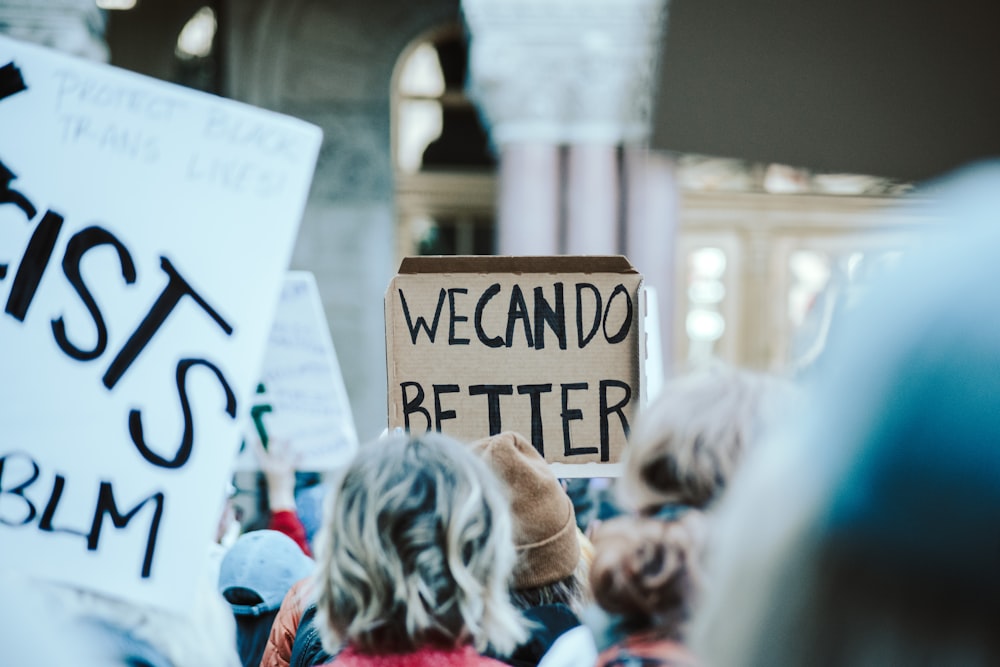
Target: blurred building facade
(506, 126)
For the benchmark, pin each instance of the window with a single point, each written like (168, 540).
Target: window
(444, 166)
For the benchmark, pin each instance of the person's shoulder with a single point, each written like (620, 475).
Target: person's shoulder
(572, 648)
(558, 618)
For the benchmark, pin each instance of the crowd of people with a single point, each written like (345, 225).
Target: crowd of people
(436, 552)
(847, 519)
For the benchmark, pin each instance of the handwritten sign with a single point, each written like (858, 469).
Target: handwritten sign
(301, 395)
(144, 232)
(547, 346)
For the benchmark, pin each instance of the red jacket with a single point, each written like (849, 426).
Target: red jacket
(278, 651)
(288, 522)
(425, 657)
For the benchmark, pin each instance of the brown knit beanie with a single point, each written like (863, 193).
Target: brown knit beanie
(544, 521)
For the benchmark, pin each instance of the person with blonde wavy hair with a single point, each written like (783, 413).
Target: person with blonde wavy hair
(415, 557)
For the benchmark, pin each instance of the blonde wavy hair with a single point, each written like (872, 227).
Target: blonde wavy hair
(688, 443)
(417, 549)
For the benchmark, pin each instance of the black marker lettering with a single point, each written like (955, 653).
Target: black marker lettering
(18, 490)
(9, 195)
(82, 241)
(45, 522)
(414, 405)
(106, 505)
(535, 392)
(554, 317)
(33, 264)
(452, 340)
(187, 438)
(569, 415)
(490, 292)
(518, 310)
(421, 322)
(177, 288)
(493, 393)
(582, 340)
(11, 81)
(626, 324)
(606, 411)
(439, 414)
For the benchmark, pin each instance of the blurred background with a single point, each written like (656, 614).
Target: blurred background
(586, 127)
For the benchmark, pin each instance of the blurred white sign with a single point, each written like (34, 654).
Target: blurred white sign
(301, 396)
(145, 230)
(653, 353)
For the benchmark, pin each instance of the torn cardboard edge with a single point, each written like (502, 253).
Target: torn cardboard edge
(517, 264)
(552, 347)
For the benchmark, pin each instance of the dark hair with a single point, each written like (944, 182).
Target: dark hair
(571, 591)
(251, 636)
(646, 571)
(251, 631)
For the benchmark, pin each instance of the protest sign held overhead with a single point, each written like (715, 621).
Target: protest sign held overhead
(301, 396)
(546, 346)
(145, 230)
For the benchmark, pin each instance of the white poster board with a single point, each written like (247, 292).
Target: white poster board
(144, 233)
(653, 345)
(301, 396)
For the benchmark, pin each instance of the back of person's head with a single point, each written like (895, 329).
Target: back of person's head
(550, 567)
(647, 572)
(687, 445)
(868, 535)
(254, 576)
(416, 551)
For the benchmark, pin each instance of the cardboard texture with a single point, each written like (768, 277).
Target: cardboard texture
(546, 346)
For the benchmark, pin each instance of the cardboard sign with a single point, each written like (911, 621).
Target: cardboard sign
(144, 233)
(547, 346)
(301, 396)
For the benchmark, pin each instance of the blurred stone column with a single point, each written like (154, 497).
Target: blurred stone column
(592, 199)
(528, 199)
(513, 56)
(562, 84)
(566, 89)
(652, 217)
(75, 27)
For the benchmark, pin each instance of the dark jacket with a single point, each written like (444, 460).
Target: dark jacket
(548, 623)
(307, 649)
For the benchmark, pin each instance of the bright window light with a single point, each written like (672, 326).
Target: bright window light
(195, 40)
(115, 4)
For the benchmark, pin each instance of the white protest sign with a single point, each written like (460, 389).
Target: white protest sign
(144, 233)
(301, 396)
